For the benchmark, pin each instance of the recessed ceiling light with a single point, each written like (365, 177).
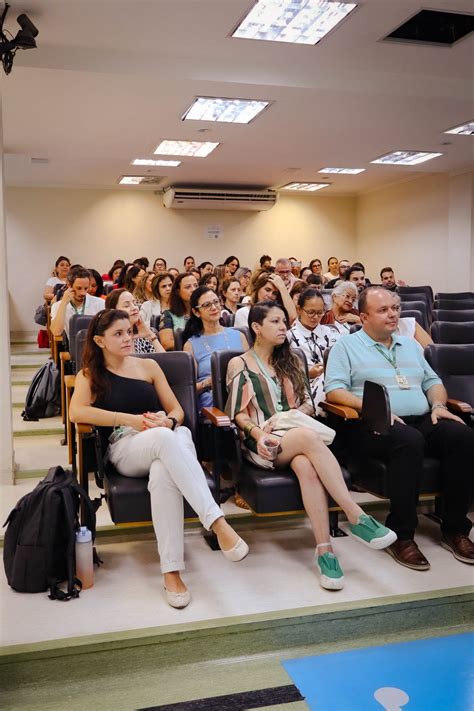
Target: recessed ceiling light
(292, 20)
(467, 129)
(149, 161)
(343, 171)
(208, 108)
(140, 180)
(197, 149)
(308, 187)
(406, 157)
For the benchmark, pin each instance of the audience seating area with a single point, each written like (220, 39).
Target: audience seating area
(275, 493)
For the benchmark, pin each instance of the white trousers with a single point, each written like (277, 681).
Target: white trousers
(169, 457)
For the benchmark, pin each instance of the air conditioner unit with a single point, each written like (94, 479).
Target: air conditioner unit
(215, 199)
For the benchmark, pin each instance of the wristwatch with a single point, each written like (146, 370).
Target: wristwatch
(174, 421)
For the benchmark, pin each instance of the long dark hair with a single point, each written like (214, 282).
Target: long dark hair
(121, 278)
(113, 297)
(260, 281)
(128, 282)
(177, 306)
(194, 324)
(98, 280)
(93, 363)
(285, 362)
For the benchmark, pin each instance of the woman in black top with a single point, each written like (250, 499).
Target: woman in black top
(130, 400)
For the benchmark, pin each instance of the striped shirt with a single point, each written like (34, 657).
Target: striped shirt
(355, 359)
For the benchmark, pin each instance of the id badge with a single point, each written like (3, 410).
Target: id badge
(402, 382)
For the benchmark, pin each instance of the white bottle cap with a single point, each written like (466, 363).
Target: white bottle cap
(83, 535)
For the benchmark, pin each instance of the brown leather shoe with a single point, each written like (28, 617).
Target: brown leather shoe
(460, 546)
(408, 554)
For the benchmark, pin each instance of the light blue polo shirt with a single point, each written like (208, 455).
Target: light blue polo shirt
(354, 359)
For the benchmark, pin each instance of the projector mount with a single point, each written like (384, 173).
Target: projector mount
(24, 39)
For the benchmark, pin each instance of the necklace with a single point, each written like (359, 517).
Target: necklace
(272, 382)
(207, 345)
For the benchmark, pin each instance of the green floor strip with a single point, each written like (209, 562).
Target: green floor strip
(38, 433)
(21, 382)
(28, 366)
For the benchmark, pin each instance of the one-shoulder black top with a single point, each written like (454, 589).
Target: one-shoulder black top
(126, 395)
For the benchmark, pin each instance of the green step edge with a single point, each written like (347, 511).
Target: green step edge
(20, 382)
(38, 433)
(28, 366)
(264, 632)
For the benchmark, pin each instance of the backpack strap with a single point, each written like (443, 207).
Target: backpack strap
(90, 506)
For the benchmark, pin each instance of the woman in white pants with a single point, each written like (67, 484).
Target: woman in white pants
(139, 418)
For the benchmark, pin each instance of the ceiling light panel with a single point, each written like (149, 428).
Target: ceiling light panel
(140, 179)
(150, 162)
(406, 158)
(206, 108)
(305, 187)
(343, 171)
(296, 21)
(195, 149)
(467, 129)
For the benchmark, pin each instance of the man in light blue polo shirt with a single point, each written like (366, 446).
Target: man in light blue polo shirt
(421, 424)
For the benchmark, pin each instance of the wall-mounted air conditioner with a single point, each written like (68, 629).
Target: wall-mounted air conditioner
(215, 199)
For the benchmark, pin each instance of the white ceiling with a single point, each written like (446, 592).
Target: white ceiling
(110, 79)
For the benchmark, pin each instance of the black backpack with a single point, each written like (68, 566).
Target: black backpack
(43, 398)
(39, 546)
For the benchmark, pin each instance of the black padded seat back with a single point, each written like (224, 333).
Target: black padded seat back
(178, 367)
(155, 322)
(455, 366)
(81, 339)
(452, 333)
(417, 296)
(458, 295)
(414, 289)
(414, 313)
(219, 362)
(246, 331)
(77, 322)
(416, 306)
(454, 315)
(178, 339)
(456, 304)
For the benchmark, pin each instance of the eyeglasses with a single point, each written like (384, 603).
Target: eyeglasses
(311, 313)
(209, 304)
(283, 271)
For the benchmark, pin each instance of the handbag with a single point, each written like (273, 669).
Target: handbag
(288, 419)
(40, 316)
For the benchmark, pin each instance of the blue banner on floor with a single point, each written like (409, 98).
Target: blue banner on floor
(434, 674)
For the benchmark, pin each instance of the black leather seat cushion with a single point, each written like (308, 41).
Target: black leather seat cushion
(128, 498)
(371, 475)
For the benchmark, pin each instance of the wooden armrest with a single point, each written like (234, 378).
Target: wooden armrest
(69, 381)
(64, 355)
(58, 339)
(84, 429)
(459, 406)
(216, 416)
(347, 413)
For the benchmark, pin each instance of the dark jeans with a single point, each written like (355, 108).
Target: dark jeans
(403, 451)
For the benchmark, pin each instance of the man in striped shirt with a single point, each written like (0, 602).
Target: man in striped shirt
(421, 424)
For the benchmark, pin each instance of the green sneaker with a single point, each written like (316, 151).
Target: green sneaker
(372, 533)
(330, 572)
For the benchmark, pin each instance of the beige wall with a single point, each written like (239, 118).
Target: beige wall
(423, 228)
(406, 227)
(93, 227)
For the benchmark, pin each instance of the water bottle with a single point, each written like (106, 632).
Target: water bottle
(84, 557)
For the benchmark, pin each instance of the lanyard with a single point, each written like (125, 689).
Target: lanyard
(276, 387)
(392, 358)
(80, 311)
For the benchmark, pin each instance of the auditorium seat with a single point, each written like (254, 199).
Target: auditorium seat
(414, 289)
(458, 295)
(459, 304)
(465, 315)
(446, 332)
(128, 498)
(455, 366)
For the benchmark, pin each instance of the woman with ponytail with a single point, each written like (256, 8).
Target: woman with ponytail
(270, 402)
(140, 422)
